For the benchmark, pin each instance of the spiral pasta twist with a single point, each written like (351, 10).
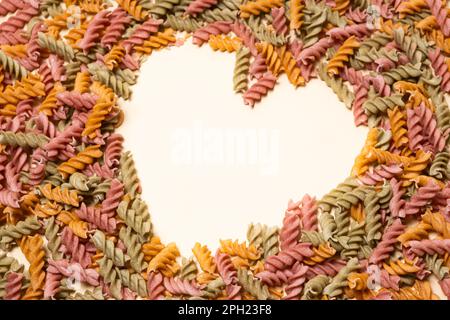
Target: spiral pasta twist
(80, 161)
(342, 55)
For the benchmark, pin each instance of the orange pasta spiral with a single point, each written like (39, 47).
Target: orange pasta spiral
(269, 53)
(257, 7)
(341, 6)
(133, 8)
(415, 167)
(438, 222)
(224, 43)
(296, 14)
(114, 56)
(400, 267)
(411, 7)
(50, 102)
(152, 248)
(61, 195)
(397, 120)
(361, 164)
(16, 51)
(47, 209)
(82, 82)
(357, 212)
(357, 281)
(343, 54)
(204, 258)
(321, 253)
(92, 6)
(165, 260)
(290, 67)
(240, 250)
(418, 232)
(35, 254)
(157, 41)
(99, 112)
(80, 161)
(421, 290)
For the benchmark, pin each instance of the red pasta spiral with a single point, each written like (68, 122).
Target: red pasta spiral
(119, 19)
(287, 258)
(259, 89)
(202, 35)
(155, 286)
(386, 246)
(295, 282)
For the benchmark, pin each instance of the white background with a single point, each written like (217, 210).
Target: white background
(186, 86)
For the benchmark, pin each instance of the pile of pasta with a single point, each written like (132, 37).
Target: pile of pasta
(70, 196)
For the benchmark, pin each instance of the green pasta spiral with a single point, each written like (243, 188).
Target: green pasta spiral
(23, 140)
(12, 66)
(254, 286)
(241, 67)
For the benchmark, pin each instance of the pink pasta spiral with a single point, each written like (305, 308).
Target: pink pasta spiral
(57, 67)
(74, 271)
(228, 274)
(10, 6)
(290, 231)
(423, 196)
(233, 292)
(72, 246)
(37, 167)
(52, 282)
(440, 68)
(414, 124)
(119, 19)
(155, 286)
(45, 126)
(20, 19)
(79, 101)
(202, 35)
(226, 268)
(309, 213)
(12, 38)
(287, 258)
(342, 33)
(94, 30)
(386, 246)
(329, 268)
(141, 33)
(46, 76)
(258, 67)
(180, 286)
(359, 114)
(247, 36)
(356, 15)
(380, 85)
(389, 281)
(274, 279)
(112, 198)
(397, 204)
(13, 286)
(60, 142)
(9, 198)
(96, 217)
(113, 150)
(445, 287)
(295, 282)
(430, 128)
(430, 247)
(440, 13)
(314, 52)
(381, 173)
(198, 6)
(279, 20)
(259, 89)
